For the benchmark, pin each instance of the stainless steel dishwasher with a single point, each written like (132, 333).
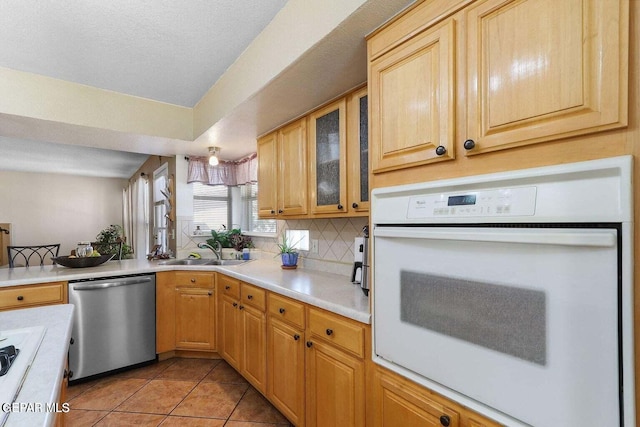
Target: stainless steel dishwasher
(114, 324)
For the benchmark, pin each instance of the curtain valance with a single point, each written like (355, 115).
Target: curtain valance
(234, 173)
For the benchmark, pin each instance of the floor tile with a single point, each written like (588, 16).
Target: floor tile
(212, 400)
(78, 389)
(172, 421)
(82, 418)
(254, 407)
(158, 397)
(148, 372)
(108, 395)
(188, 369)
(224, 373)
(120, 419)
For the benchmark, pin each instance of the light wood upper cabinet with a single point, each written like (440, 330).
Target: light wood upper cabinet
(539, 70)
(358, 151)
(411, 90)
(268, 175)
(293, 169)
(328, 158)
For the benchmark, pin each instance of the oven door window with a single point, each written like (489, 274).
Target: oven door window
(500, 314)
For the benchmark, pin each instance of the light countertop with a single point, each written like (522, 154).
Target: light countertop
(329, 291)
(42, 383)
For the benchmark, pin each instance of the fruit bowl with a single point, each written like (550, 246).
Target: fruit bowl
(90, 261)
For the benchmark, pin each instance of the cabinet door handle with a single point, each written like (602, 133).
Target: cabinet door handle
(226, 288)
(210, 293)
(445, 420)
(309, 344)
(340, 207)
(469, 144)
(281, 310)
(235, 304)
(272, 211)
(193, 280)
(280, 211)
(354, 205)
(20, 298)
(65, 374)
(241, 307)
(249, 296)
(329, 331)
(296, 337)
(440, 150)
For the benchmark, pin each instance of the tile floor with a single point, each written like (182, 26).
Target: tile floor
(174, 392)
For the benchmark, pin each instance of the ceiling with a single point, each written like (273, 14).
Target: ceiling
(167, 51)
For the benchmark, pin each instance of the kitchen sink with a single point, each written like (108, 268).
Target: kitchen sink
(204, 261)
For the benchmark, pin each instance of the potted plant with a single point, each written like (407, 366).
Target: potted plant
(110, 240)
(288, 254)
(231, 241)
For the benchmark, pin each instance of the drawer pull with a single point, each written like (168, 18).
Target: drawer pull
(20, 297)
(235, 304)
(296, 337)
(226, 288)
(249, 296)
(210, 293)
(329, 331)
(309, 344)
(281, 310)
(445, 420)
(193, 280)
(241, 307)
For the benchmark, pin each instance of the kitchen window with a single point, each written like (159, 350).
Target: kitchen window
(220, 206)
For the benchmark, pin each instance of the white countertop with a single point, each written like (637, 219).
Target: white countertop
(329, 291)
(42, 383)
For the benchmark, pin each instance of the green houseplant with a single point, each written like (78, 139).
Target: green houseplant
(108, 242)
(288, 254)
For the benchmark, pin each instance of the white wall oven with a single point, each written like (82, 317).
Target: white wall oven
(511, 293)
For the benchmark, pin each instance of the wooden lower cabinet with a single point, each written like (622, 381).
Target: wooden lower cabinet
(286, 369)
(229, 325)
(195, 319)
(254, 347)
(335, 386)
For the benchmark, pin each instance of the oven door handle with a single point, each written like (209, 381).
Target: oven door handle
(564, 237)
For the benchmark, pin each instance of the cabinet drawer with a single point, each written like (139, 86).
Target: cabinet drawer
(287, 310)
(254, 297)
(229, 286)
(336, 329)
(194, 279)
(27, 296)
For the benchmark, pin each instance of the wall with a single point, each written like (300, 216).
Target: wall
(54, 208)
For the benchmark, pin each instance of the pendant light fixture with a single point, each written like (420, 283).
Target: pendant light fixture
(213, 156)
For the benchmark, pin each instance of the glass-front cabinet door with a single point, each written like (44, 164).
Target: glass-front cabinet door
(328, 153)
(358, 151)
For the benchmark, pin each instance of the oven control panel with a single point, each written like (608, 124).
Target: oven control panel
(518, 201)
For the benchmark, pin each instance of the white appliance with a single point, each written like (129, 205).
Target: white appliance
(511, 293)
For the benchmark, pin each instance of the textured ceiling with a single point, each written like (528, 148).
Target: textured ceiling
(164, 50)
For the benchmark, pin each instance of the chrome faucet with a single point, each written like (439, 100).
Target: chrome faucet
(217, 250)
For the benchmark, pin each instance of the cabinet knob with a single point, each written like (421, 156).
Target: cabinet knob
(235, 304)
(280, 211)
(469, 144)
(440, 150)
(241, 307)
(20, 297)
(71, 341)
(226, 288)
(193, 280)
(309, 344)
(281, 310)
(272, 211)
(210, 293)
(329, 331)
(249, 296)
(296, 337)
(354, 205)
(340, 207)
(70, 374)
(65, 374)
(445, 420)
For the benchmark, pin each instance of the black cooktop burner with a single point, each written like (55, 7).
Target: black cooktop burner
(7, 356)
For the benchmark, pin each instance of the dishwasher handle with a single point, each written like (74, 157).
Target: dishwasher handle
(104, 285)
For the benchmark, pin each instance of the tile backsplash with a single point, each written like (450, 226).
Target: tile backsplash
(335, 241)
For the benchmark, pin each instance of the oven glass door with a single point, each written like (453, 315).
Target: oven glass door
(522, 320)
